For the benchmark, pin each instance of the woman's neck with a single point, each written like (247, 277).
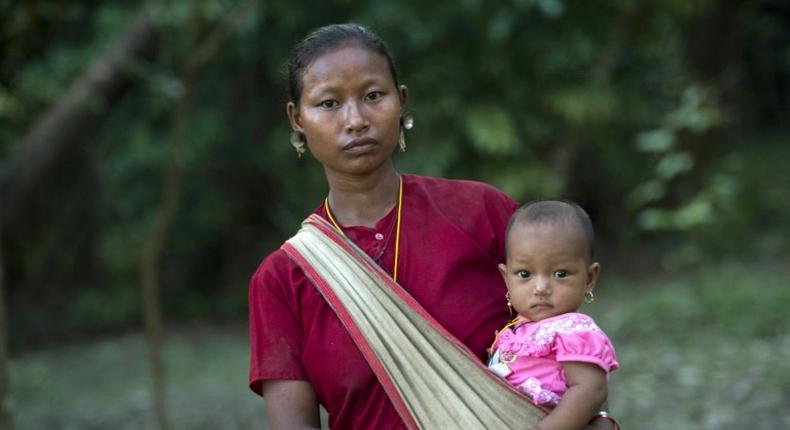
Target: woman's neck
(362, 201)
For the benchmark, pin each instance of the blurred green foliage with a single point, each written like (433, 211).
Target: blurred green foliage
(705, 349)
(667, 120)
(702, 349)
(206, 370)
(729, 298)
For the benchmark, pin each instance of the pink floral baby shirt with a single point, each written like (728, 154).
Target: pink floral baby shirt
(529, 354)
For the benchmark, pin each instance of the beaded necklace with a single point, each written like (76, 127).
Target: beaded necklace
(397, 228)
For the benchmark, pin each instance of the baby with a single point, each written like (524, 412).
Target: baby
(558, 357)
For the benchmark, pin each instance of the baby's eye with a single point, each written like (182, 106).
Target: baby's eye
(328, 104)
(523, 274)
(374, 95)
(561, 273)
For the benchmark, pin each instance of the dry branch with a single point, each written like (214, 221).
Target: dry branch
(76, 113)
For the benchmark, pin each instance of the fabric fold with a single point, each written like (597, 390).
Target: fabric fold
(433, 380)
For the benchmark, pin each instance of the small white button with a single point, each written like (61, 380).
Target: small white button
(379, 236)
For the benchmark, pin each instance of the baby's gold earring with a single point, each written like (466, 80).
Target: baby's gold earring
(589, 297)
(509, 305)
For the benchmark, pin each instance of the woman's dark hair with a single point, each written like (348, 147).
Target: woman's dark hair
(324, 39)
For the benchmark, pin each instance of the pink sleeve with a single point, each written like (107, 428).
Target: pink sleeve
(275, 329)
(588, 346)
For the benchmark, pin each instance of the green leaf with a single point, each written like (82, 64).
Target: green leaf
(660, 140)
(674, 164)
(647, 192)
(583, 104)
(491, 130)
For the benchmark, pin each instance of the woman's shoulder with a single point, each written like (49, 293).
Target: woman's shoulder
(277, 272)
(463, 193)
(433, 183)
(479, 210)
(277, 262)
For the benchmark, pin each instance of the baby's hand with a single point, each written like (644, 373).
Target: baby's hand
(600, 425)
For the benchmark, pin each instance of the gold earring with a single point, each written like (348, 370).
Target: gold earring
(589, 297)
(298, 142)
(406, 123)
(509, 305)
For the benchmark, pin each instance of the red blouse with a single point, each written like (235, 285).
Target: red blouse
(452, 238)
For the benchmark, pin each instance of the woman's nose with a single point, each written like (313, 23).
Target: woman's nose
(355, 118)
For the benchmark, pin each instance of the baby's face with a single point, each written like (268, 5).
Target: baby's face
(548, 269)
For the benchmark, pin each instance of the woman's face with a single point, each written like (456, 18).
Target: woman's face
(349, 110)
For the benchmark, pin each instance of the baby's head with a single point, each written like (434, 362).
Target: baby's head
(549, 267)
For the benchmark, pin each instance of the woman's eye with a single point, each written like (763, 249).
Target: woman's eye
(523, 274)
(374, 95)
(561, 273)
(328, 104)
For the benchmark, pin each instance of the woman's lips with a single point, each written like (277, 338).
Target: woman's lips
(360, 143)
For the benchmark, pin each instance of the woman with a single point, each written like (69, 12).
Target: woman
(440, 239)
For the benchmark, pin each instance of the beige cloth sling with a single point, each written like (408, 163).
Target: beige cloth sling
(433, 380)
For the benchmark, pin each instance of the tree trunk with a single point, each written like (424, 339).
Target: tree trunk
(75, 114)
(66, 124)
(5, 413)
(152, 251)
(567, 149)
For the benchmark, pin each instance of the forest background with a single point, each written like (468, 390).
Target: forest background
(145, 171)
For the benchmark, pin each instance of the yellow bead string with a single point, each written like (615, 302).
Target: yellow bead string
(397, 226)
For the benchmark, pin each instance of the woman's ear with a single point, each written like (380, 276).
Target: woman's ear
(293, 117)
(403, 93)
(593, 270)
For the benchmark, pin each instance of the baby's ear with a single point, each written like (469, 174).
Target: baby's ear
(503, 271)
(593, 270)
